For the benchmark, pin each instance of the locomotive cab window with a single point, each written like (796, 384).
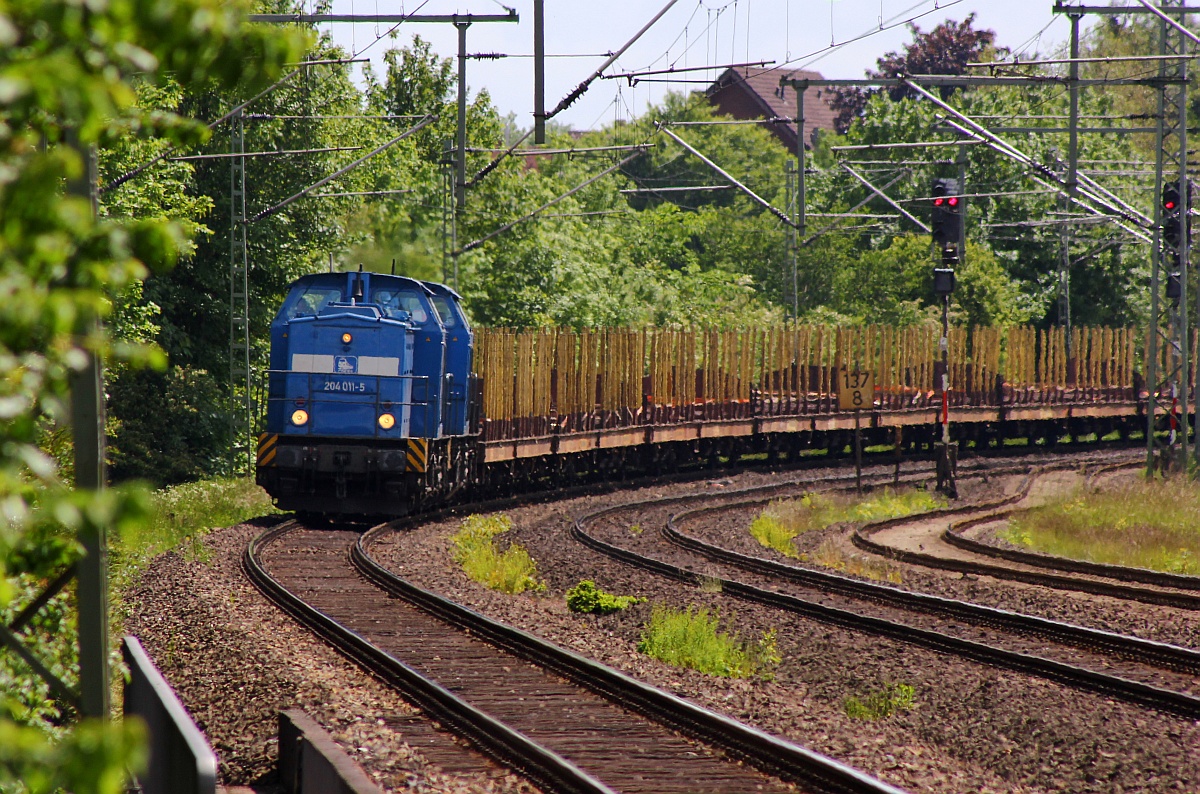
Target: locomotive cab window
(311, 301)
(400, 304)
(445, 311)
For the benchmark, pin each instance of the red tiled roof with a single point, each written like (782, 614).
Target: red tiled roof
(747, 92)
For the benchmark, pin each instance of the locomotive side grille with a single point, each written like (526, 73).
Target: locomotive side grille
(418, 454)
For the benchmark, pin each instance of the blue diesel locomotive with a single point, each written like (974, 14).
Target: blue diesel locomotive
(370, 396)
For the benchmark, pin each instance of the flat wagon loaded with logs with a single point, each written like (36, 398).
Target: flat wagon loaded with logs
(645, 399)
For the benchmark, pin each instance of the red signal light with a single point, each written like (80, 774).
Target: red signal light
(937, 202)
(1168, 204)
(953, 201)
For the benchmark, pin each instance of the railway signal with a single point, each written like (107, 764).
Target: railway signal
(1171, 222)
(946, 227)
(946, 221)
(950, 256)
(1176, 232)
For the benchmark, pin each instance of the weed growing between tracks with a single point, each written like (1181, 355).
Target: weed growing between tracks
(586, 597)
(783, 520)
(692, 638)
(510, 571)
(1144, 524)
(880, 705)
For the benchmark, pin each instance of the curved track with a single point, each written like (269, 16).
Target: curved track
(547, 712)
(1147, 673)
(934, 542)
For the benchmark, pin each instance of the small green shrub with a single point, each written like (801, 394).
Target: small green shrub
(694, 640)
(510, 571)
(880, 705)
(586, 597)
(768, 530)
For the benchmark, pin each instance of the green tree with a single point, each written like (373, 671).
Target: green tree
(71, 70)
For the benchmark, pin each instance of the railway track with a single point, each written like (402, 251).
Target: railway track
(1151, 674)
(566, 722)
(939, 540)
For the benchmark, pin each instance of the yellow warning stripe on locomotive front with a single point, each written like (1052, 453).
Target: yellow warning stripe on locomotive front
(266, 448)
(418, 454)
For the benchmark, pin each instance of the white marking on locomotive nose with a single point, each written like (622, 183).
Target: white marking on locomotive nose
(308, 362)
(385, 366)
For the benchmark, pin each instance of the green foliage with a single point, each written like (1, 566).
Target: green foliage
(881, 704)
(1148, 524)
(1018, 260)
(782, 520)
(82, 762)
(71, 77)
(586, 597)
(768, 530)
(693, 639)
(510, 570)
(180, 516)
(173, 426)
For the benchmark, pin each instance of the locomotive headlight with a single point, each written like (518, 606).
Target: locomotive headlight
(387, 421)
(346, 339)
(299, 417)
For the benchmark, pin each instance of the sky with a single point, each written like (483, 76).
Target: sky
(798, 33)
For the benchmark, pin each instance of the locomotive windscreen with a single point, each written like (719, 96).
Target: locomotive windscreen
(400, 304)
(445, 311)
(310, 301)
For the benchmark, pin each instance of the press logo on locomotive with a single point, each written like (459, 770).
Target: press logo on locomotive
(346, 365)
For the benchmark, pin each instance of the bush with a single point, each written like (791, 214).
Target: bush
(768, 530)
(510, 571)
(586, 597)
(693, 639)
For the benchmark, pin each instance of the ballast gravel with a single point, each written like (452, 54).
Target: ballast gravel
(236, 661)
(972, 727)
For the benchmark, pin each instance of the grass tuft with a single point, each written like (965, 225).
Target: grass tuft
(693, 639)
(586, 597)
(1145, 524)
(510, 571)
(880, 705)
(779, 524)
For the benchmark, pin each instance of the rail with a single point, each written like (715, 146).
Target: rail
(769, 753)
(1072, 675)
(1168, 656)
(546, 767)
